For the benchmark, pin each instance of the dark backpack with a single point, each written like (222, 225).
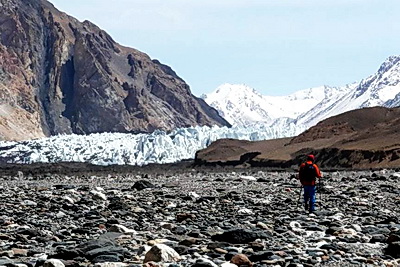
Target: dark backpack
(308, 173)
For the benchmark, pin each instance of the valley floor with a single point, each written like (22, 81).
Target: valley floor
(203, 216)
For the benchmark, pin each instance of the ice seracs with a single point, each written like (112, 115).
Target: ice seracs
(132, 149)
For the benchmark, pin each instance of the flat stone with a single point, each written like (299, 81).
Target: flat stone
(121, 229)
(188, 242)
(203, 262)
(220, 250)
(107, 258)
(20, 252)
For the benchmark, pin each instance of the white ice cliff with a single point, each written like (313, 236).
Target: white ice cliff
(132, 149)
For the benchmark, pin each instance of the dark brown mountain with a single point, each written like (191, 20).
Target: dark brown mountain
(58, 75)
(363, 138)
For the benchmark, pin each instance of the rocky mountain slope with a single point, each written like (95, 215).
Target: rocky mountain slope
(58, 75)
(242, 105)
(363, 138)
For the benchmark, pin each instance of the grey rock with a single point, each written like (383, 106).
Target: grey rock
(4, 261)
(107, 258)
(142, 184)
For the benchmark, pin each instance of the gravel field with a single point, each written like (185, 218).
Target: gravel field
(173, 216)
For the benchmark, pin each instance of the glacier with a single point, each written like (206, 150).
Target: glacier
(130, 149)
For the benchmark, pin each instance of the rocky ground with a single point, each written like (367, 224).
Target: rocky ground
(198, 217)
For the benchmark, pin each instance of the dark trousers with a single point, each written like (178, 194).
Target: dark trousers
(309, 197)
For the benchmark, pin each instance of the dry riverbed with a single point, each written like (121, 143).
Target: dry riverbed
(198, 217)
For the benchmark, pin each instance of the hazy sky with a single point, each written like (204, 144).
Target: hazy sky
(274, 46)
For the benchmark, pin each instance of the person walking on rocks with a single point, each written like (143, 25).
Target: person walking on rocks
(308, 174)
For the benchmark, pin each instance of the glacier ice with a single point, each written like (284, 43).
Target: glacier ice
(130, 149)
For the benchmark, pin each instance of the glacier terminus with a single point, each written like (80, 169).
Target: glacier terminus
(131, 149)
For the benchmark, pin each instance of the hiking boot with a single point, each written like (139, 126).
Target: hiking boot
(306, 206)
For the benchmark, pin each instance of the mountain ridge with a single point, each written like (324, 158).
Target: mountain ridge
(62, 76)
(305, 108)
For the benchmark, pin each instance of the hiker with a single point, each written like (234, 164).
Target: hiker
(308, 174)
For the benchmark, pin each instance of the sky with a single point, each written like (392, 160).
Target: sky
(275, 46)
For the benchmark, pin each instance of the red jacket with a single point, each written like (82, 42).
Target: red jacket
(317, 173)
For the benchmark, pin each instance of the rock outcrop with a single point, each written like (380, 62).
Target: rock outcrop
(61, 76)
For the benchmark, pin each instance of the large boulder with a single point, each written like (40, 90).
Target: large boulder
(162, 253)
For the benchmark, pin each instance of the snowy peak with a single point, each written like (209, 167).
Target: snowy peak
(388, 64)
(380, 87)
(241, 105)
(238, 90)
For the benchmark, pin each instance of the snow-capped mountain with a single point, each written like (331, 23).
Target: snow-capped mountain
(243, 106)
